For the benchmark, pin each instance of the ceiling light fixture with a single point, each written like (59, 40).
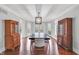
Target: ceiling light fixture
(38, 19)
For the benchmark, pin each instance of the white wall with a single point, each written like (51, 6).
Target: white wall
(2, 37)
(33, 27)
(23, 27)
(2, 32)
(54, 29)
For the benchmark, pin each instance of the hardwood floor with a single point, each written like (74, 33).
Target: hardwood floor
(62, 51)
(27, 48)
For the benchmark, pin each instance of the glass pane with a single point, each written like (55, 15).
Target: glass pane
(39, 27)
(61, 29)
(49, 27)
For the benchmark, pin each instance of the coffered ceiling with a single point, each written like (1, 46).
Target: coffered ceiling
(48, 12)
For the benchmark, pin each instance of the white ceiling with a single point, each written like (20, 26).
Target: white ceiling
(48, 12)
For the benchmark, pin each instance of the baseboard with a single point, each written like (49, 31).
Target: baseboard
(1, 50)
(76, 50)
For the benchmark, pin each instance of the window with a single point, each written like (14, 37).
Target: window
(49, 28)
(28, 27)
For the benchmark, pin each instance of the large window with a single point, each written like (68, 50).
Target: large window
(49, 28)
(39, 27)
(44, 27)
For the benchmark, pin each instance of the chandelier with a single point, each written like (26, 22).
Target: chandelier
(38, 19)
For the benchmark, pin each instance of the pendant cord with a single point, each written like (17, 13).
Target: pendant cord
(38, 10)
(38, 14)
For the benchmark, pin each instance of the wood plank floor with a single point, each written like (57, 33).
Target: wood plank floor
(27, 47)
(62, 51)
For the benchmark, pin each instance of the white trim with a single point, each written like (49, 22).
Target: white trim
(76, 50)
(2, 49)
